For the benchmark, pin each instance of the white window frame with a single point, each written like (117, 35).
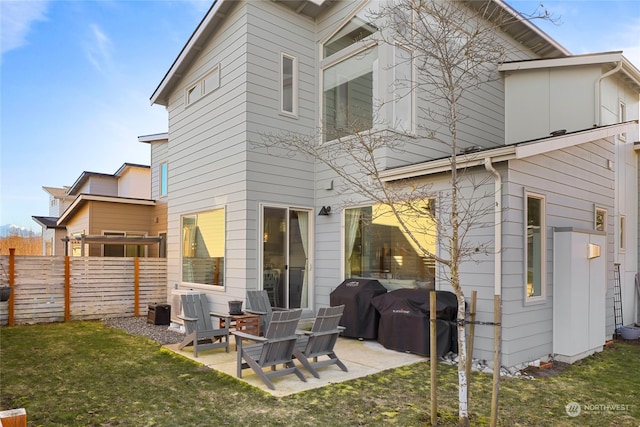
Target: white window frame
(225, 258)
(543, 237)
(203, 86)
(163, 182)
(294, 84)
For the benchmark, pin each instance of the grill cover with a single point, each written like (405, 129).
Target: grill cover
(360, 318)
(404, 321)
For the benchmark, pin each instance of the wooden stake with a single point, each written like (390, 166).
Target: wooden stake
(497, 338)
(472, 331)
(433, 357)
(67, 288)
(12, 284)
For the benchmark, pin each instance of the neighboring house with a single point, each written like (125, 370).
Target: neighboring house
(52, 233)
(238, 217)
(105, 215)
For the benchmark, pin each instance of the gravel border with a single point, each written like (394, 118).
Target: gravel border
(162, 334)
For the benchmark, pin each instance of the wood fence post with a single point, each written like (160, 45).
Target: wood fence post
(433, 357)
(12, 283)
(67, 288)
(136, 286)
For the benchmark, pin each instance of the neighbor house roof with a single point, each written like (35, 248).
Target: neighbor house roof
(47, 221)
(84, 198)
(521, 29)
(84, 176)
(59, 193)
(518, 150)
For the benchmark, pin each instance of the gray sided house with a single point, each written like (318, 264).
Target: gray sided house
(241, 218)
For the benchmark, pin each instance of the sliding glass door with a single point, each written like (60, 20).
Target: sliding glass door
(285, 255)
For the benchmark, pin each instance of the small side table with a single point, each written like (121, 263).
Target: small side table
(249, 323)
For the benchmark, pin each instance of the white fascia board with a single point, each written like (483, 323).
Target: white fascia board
(155, 137)
(444, 165)
(598, 58)
(565, 141)
(191, 45)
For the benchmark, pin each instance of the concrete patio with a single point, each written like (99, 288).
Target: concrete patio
(361, 358)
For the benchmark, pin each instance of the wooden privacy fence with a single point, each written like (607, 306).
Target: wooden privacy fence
(56, 289)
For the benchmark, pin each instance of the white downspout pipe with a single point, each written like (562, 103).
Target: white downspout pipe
(497, 265)
(598, 91)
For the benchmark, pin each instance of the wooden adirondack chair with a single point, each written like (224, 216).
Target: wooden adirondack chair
(258, 303)
(200, 329)
(275, 348)
(321, 340)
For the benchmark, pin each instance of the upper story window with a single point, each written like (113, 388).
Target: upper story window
(203, 247)
(163, 179)
(289, 81)
(535, 247)
(203, 86)
(349, 80)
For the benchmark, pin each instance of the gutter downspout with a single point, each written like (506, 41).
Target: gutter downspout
(598, 91)
(497, 265)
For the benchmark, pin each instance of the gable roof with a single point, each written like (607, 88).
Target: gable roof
(84, 198)
(521, 30)
(84, 176)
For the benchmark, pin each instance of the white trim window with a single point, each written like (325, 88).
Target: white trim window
(349, 79)
(203, 86)
(288, 84)
(203, 247)
(535, 237)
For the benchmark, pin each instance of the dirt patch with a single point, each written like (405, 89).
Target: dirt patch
(547, 370)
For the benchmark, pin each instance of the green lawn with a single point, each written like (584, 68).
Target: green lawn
(84, 374)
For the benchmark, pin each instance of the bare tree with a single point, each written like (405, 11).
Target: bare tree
(455, 48)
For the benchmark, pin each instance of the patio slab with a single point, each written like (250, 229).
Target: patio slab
(361, 358)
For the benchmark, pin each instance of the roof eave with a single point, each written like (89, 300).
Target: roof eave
(160, 95)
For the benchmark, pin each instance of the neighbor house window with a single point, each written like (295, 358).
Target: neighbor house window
(203, 86)
(289, 89)
(535, 246)
(123, 250)
(349, 80)
(163, 179)
(377, 246)
(203, 247)
(600, 220)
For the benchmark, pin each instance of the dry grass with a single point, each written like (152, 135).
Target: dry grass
(84, 374)
(22, 245)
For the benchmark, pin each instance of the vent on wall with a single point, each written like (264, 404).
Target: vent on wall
(176, 303)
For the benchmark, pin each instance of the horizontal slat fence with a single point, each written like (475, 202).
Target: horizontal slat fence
(99, 287)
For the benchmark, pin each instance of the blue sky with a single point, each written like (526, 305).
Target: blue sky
(76, 77)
